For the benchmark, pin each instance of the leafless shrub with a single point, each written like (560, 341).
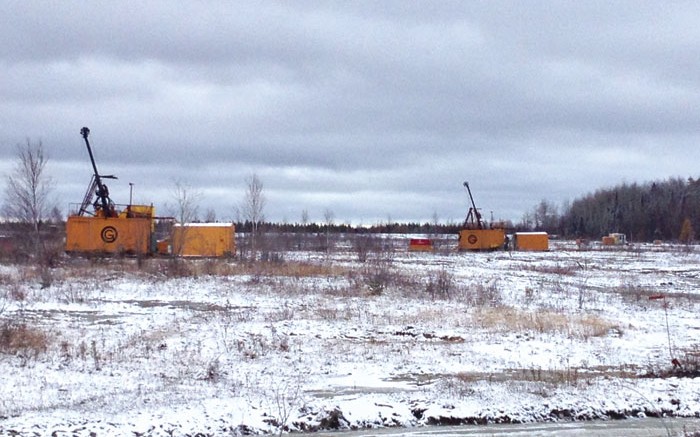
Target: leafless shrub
(96, 357)
(6, 279)
(459, 385)
(283, 395)
(361, 246)
(685, 365)
(213, 371)
(634, 293)
(46, 276)
(352, 287)
(565, 376)
(364, 245)
(254, 346)
(287, 397)
(640, 295)
(19, 338)
(690, 361)
(441, 284)
(226, 318)
(482, 295)
(17, 292)
(325, 313)
(82, 350)
(176, 267)
(20, 285)
(72, 293)
(282, 313)
(376, 277)
(53, 250)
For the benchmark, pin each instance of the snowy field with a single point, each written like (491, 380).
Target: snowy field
(317, 341)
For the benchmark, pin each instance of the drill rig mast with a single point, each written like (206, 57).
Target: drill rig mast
(473, 220)
(103, 205)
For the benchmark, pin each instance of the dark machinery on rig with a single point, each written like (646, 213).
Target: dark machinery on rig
(103, 206)
(476, 235)
(473, 220)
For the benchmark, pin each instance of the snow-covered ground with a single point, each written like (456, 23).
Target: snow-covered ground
(319, 341)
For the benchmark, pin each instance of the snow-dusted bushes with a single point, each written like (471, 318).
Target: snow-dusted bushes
(19, 335)
(686, 363)
(441, 284)
(19, 338)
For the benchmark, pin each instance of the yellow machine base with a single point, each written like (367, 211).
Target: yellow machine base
(481, 239)
(108, 235)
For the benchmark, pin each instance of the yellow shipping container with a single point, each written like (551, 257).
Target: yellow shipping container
(615, 238)
(203, 239)
(608, 241)
(531, 241)
(108, 235)
(481, 239)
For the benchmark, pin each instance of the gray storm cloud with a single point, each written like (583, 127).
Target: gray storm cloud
(371, 110)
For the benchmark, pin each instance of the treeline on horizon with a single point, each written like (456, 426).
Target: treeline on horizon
(381, 228)
(660, 210)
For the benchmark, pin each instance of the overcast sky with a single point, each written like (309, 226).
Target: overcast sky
(372, 110)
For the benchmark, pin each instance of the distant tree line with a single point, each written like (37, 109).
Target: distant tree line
(661, 210)
(383, 228)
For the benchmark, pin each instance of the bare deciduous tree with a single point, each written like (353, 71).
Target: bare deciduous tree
(186, 210)
(210, 215)
(28, 190)
(328, 216)
(186, 202)
(253, 206)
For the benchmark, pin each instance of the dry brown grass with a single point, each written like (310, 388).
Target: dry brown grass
(507, 319)
(21, 339)
(195, 267)
(557, 269)
(295, 269)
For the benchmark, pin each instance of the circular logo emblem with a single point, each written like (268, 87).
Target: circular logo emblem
(471, 238)
(109, 234)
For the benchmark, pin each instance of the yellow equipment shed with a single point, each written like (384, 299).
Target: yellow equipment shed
(203, 239)
(481, 239)
(108, 235)
(615, 239)
(531, 241)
